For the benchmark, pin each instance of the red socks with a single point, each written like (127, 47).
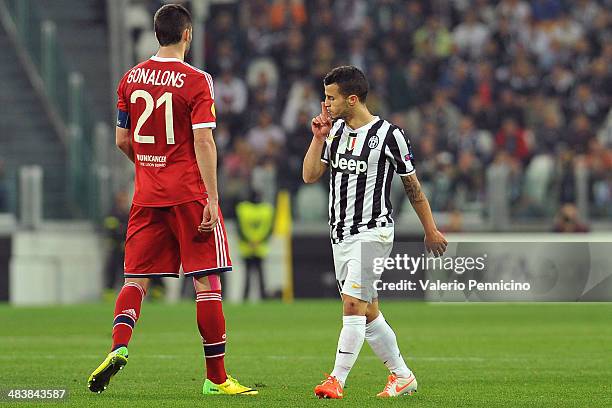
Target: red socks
(127, 310)
(211, 324)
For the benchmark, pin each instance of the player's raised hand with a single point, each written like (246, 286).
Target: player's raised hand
(210, 216)
(435, 243)
(322, 124)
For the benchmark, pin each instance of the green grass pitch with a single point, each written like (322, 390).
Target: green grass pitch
(464, 355)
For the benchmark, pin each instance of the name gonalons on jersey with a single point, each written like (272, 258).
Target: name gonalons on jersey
(362, 163)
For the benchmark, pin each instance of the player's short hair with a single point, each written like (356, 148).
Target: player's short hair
(350, 80)
(169, 22)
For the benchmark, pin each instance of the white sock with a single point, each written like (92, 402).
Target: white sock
(349, 345)
(381, 338)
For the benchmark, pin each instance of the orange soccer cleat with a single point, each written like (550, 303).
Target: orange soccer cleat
(330, 388)
(399, 386)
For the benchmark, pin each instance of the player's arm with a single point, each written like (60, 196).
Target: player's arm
(206, 156)
(434, 240)
(122, 130)
(124, 142)
(398, 150)
(314, 167)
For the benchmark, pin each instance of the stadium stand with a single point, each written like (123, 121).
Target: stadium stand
(514, 82)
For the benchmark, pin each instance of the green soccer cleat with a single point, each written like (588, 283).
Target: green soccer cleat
(230, 387)
(115, 361)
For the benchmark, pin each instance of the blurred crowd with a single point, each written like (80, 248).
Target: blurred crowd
(526, 85)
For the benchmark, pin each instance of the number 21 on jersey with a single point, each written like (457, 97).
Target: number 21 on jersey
(165, 99)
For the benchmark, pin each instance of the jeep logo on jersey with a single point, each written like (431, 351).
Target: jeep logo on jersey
(349, 164)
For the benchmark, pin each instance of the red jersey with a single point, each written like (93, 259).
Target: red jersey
(165, 99)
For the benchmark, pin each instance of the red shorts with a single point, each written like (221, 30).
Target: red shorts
(160, 239)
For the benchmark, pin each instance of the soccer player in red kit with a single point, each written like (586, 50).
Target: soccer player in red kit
(166, 115)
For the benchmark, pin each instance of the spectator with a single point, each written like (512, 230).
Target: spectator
(567, 220)
(467, 181)
(223, 30)
(517, 12)
(302, 99)
(408, 88)
(504, 38)
(353, 14)
(287, 13)
(433, 39)
(266, 132)
(443, 113)
(509, 107)
(485, 116)
(469, 139)
(255, 221)
(231, 94)
(470, 35)
(262, 80)
(291, 59)
(567, 31)
(461, 84)
(378, 95)
(235, 175)
(513, 139)
(322, 57)
(226, 58)
(358, 54)
(584, 102)
(548, 134)
(580, 134)
(298, 140)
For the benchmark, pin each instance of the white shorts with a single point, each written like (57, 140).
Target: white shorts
(353, 261)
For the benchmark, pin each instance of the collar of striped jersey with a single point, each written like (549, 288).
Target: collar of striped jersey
(364, 127)
(162, 59)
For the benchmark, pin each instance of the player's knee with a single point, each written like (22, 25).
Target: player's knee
(372, 311)
(142, 282)
(353, 306)
(206, 283)
(371, 315)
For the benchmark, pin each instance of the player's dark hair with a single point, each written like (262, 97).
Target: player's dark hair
(169, 22)
(350, 80)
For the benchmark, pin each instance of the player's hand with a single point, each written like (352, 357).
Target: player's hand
(322, 124)
(435, 243)
(210, 216)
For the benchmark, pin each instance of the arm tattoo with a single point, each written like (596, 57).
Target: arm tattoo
(413, 189)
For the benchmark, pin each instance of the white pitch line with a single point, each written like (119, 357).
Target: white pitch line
(457, 359)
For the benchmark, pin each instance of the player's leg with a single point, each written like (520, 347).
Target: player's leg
(205, 256)
(351, 336)
(355, 297)
(211, 324)
(383, 341)
(127, 311)
(150, 250)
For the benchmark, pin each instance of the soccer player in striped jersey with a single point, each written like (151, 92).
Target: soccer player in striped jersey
(165, 118)
(363, 151)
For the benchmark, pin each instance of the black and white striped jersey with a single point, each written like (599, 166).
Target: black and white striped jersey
(362, 162)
